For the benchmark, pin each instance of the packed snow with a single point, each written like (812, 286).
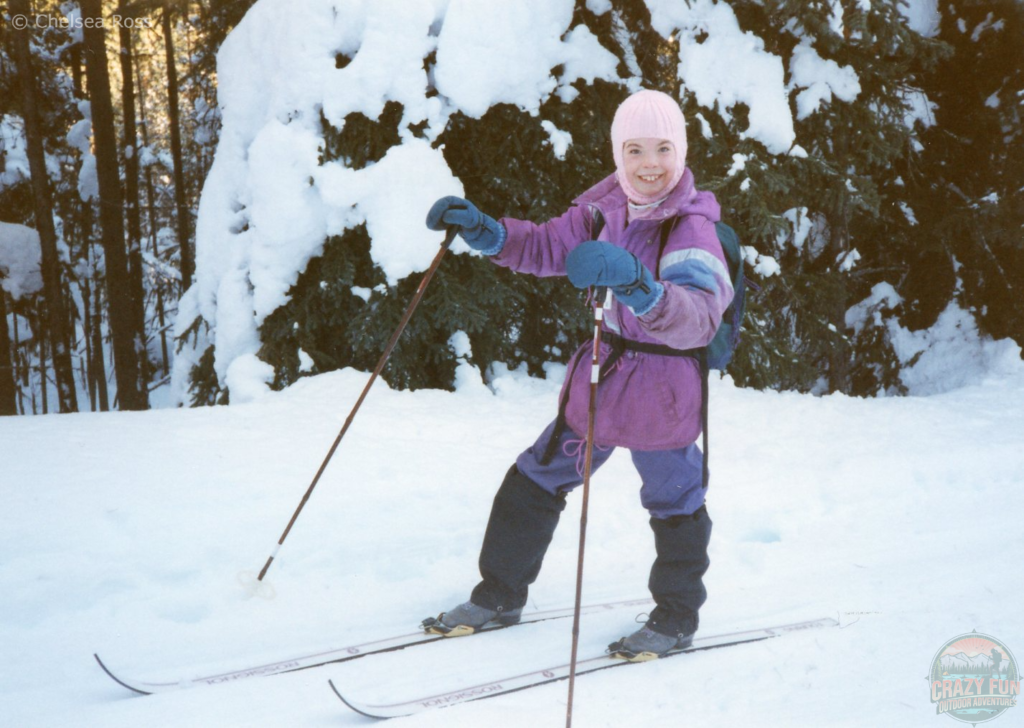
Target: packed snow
(136, 535)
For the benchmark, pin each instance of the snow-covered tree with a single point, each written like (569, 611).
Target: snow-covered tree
(806, 120)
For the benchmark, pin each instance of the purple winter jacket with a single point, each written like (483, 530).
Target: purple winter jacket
(647, 401)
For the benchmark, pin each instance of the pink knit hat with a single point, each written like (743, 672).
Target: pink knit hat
(648, 114)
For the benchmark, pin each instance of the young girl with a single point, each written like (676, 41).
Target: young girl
(657, 250)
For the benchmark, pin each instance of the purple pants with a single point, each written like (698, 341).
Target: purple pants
(671, 479)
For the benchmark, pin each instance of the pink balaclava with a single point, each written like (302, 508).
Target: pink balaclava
(648, 114)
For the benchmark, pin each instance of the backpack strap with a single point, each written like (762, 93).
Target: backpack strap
(664, 230)
(596, 221)
(701, 355)
(705, 373)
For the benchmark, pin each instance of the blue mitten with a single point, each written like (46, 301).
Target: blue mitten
(597, 263)
(480, 231)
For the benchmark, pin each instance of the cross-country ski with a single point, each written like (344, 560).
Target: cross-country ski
(544, 676)
(339, 654)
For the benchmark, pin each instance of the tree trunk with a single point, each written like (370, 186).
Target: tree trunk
(131, 189)
(152, 216)
(90, 371)
(43, 385)
(20, 378)
(839, 351)
(93, 336)
(8, 398)
(184, 223)
(43, 209)
(99, 366)
(131, 390)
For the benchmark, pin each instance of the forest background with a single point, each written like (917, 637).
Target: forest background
(895, 224)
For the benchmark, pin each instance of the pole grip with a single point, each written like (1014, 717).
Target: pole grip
(449, 236)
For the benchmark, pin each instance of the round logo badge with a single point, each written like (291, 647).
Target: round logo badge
(974, 678)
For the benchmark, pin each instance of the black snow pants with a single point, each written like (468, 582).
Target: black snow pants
(523, 520)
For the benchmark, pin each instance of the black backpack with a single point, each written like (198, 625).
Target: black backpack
(727, 338)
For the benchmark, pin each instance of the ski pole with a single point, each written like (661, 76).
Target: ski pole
(448, 238)
(595, 376)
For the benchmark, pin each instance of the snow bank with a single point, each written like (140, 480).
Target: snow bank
(950, 354)
(898, 516)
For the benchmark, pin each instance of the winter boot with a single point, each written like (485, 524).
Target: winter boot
(646, 644)
(522, 523)
(468, 618)
(676, 583)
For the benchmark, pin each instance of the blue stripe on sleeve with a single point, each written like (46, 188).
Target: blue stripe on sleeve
(692, 273)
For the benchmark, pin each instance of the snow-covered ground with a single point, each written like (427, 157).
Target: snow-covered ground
(134, 535)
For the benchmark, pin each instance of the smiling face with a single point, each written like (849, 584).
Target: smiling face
(649, 164)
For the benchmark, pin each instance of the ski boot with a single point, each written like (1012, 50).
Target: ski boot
(646, 644)
(469, 618)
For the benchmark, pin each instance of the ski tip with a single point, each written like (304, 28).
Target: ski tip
(115, 678)
(351, 706)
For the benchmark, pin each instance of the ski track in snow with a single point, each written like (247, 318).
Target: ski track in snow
(127, 533)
